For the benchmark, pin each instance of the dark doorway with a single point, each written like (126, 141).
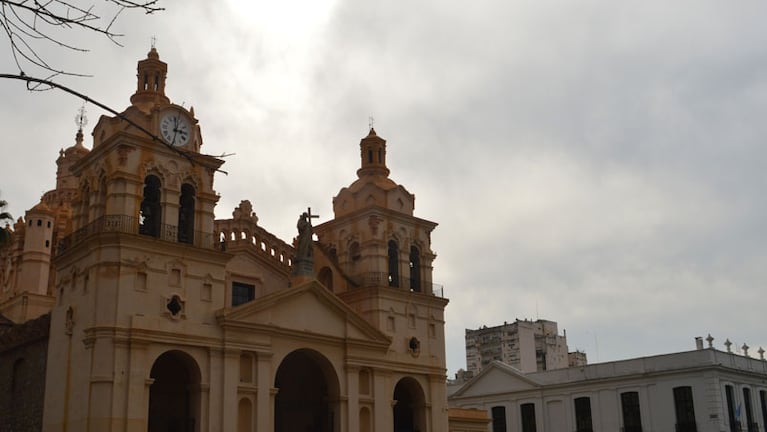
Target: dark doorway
(307, 397)
(393, 264)
(173, 400)
(150, 219)
(415, 269)
(186, 214)
(409, 406)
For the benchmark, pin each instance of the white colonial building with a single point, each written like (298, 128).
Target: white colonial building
(705, 390)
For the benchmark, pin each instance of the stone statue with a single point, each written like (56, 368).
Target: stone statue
(303, 262)
(304, 247)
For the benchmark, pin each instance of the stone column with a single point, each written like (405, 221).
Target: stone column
(229, 382)
(352, 390)
(265, 397)
(383, 411)
(437, 405)
(137, 389)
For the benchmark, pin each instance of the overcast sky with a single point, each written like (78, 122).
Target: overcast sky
(596, 163)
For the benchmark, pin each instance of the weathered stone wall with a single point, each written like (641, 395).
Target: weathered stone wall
(23, 353)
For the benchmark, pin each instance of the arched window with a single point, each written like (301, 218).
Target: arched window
(354, 252)
(150, 216)
(101, 203)
(85, 205)
(186, 214)
(415, 269)
(325, 277)
(393, 264)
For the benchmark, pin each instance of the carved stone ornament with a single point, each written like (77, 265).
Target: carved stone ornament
(414, 346)
(69, 324)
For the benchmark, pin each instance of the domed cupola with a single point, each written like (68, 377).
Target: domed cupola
(373, 188)
(373, 156)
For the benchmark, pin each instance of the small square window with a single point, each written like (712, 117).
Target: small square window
(242, 293)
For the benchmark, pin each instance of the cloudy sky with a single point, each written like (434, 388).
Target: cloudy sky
(596, 163)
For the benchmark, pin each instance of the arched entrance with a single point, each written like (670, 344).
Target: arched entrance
(174, 400)
(409, 406)
(307, 397)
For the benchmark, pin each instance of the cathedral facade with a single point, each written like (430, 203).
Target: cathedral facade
(163, 318)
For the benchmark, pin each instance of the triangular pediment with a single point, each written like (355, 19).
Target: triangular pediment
(308, 309)
(496, 378)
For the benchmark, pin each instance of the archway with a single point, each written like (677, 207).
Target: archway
(174, 400)
(308, 394)
(409, 406)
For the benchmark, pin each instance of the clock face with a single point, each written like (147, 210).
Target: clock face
(175, 129)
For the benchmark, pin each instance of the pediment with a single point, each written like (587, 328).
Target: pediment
(307, 309)
(496, 378)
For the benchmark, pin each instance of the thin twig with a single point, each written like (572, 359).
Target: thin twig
(39, 81)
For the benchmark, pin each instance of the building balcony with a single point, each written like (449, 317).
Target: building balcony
(382, 279)
(131, 225)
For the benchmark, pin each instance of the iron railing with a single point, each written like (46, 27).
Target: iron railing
(131, 225)
(382, 279)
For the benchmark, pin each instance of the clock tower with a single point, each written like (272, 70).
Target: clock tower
(142, 270)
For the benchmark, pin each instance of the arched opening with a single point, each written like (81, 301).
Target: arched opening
(85, 206)
(20, 399)
(393, 264)
(415, 269)
(325, 277)
(365, 423)
(308, 394)
(409, 406)
(150, 216)
(354, 252)
(174, 400)
(101, 205)
(186, 214)
(244, 416)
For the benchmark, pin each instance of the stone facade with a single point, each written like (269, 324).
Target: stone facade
(23, 355)
(164, 318)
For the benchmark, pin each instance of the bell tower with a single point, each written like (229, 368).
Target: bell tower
(384, 251)
(142, 272)
(150, 88)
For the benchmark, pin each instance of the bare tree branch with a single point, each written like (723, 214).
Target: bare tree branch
(33, 84)
(26, 21)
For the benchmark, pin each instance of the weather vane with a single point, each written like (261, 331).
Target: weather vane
(81, 120)
(154, 41)
(371, 122)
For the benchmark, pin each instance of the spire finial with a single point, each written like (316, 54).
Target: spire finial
(371, 122)
(81, 120)
(154, 42)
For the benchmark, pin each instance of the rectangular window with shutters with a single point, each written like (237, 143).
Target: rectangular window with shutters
(730, 396)
(750, 423)
(632, 418)
(527, 414)
(499, 418)
(583, 414)
(763, 403)
(685, 409)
